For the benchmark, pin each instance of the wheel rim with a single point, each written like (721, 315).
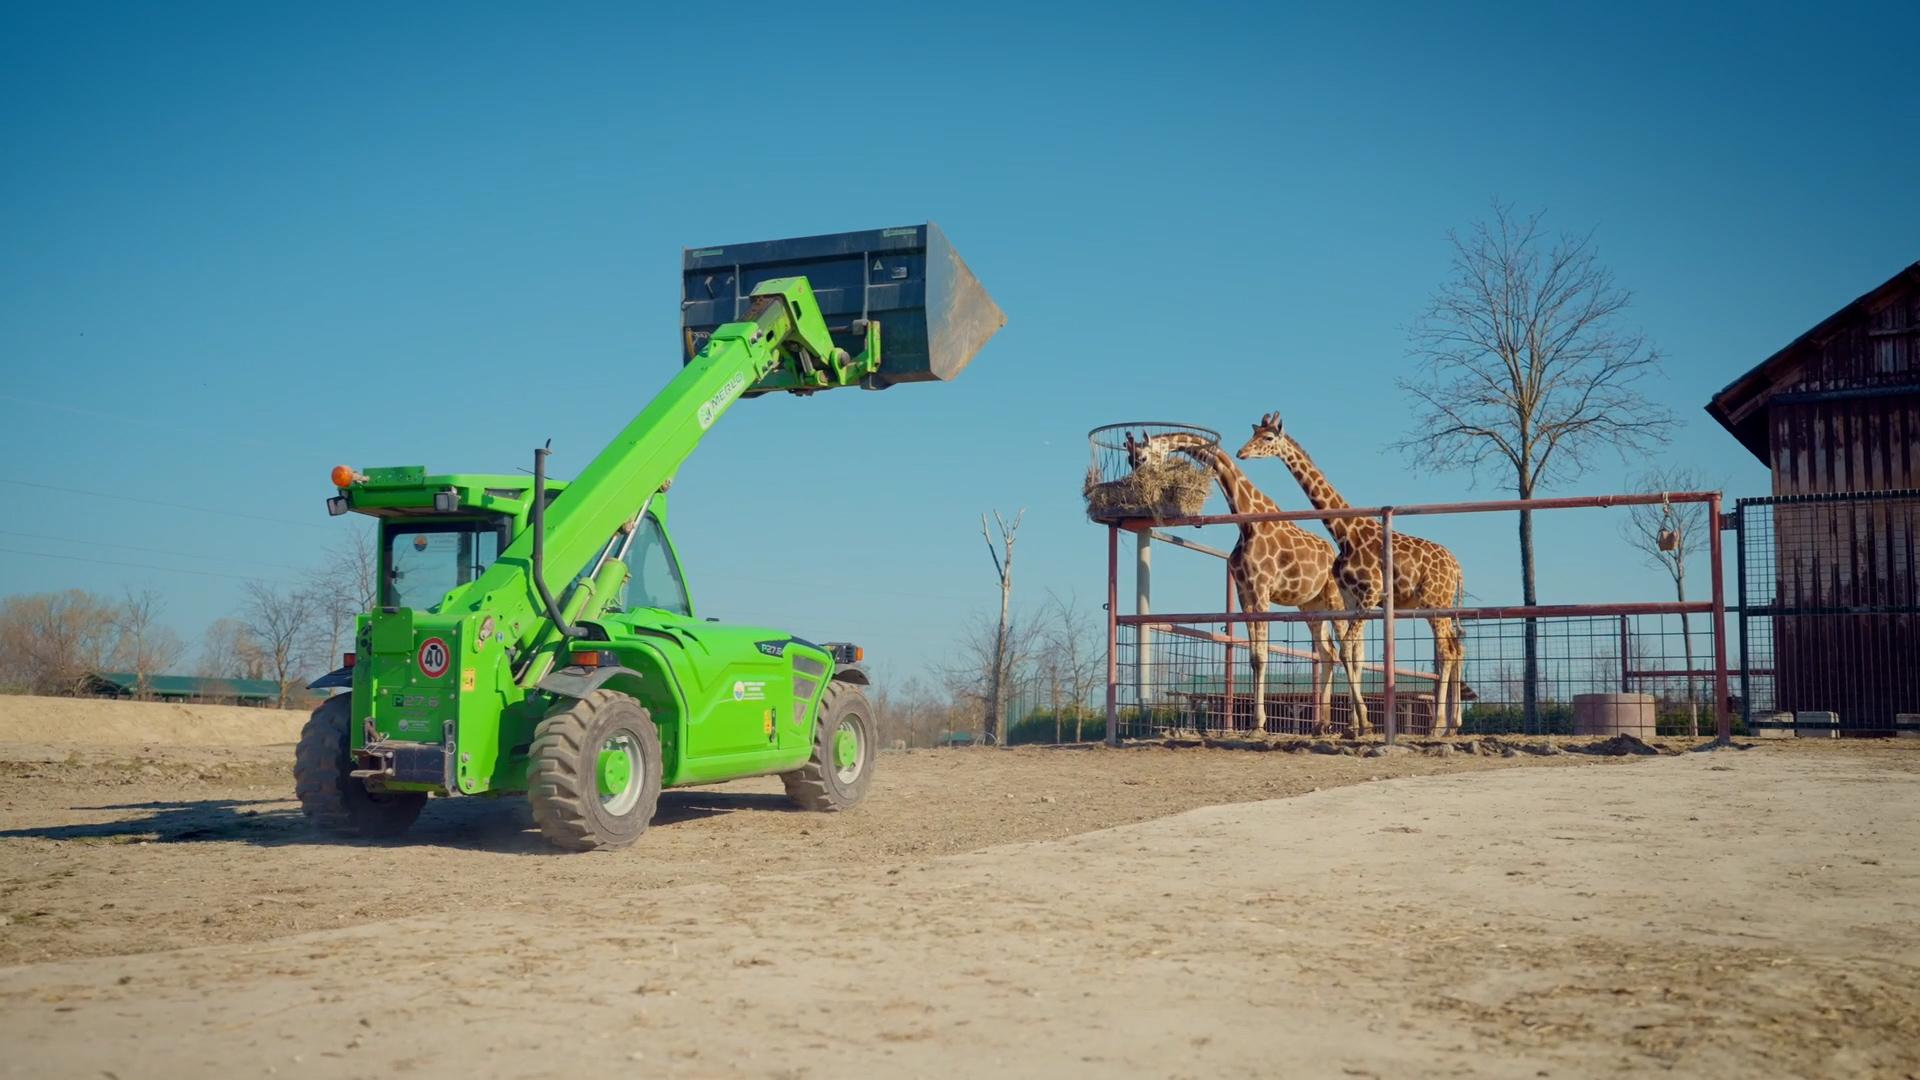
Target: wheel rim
(849, 751)
(617, 772)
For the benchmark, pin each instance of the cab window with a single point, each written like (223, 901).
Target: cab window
(656, 579)
(429, 559)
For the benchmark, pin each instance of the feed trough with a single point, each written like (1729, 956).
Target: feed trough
(1123, 484)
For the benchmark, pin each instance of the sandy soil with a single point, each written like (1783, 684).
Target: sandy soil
(97, 722)
(1734, 913)
(108, 850)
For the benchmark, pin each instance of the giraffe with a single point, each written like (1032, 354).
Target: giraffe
(1275, 562)
(1425, 574)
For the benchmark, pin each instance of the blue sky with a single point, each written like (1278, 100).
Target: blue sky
(246, 242)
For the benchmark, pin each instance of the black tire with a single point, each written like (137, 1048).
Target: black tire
(563, 772)
(821, 784)
(332, 798)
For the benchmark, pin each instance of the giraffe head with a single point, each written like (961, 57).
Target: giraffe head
(1153, 451)
(1146, 452)
(1269, 439)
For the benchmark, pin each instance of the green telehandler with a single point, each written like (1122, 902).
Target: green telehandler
(536, 636)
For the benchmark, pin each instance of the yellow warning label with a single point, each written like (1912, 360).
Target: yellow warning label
(467, 677)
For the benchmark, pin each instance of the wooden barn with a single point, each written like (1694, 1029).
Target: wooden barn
(1829, 563)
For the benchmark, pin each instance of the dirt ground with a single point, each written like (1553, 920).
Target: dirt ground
(165, 913)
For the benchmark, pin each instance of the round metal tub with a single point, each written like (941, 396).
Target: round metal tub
(1613, 714)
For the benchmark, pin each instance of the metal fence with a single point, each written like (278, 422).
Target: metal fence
(1193, 671)
(1829, 612)
(1197, 676)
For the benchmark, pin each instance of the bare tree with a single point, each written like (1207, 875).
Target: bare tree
(901, 709)
(142, 645)
(1667, 533)
(915, 706)
(1528, 371)
(989, 660)
(281, 623)
(998, 664)
(345, 585)
(1050, 665)
(228, 651)
(50, 642)
(1075, 660)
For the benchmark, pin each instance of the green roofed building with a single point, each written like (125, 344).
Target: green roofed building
(183, 688)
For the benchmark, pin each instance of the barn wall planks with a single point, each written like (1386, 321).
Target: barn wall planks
(1856, 444)
(1832, 559)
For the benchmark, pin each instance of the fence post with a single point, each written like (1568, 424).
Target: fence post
(1113, 632)
(1386, 633)
(1740, 594)
(1625, 688)
(1723, 719)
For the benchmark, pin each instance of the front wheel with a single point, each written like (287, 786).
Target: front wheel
(593, 774)
(335, 800)
(841, 769)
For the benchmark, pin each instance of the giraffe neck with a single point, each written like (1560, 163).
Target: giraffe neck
(1321, 493)
(1242, 496)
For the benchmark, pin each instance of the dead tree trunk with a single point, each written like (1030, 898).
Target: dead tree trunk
(1002, 556)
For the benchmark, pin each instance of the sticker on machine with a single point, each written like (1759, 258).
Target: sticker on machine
(749, 691)
(710, 408)
(434, 658)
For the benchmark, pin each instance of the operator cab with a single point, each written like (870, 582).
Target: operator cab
(441, 532)
(424, 559)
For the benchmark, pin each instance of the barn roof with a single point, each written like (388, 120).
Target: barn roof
(1741, 406)
(190, 686)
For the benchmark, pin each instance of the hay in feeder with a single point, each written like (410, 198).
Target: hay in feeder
(1171, 489)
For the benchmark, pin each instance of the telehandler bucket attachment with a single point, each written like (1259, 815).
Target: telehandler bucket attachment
(933, 314)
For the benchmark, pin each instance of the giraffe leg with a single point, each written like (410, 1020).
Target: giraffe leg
(1443, 665)
(1257, 658)
(1353, 645)
(1325, 655)
(1458, 657)
(1352, 650)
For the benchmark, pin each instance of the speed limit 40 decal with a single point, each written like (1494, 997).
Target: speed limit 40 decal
(434, 657)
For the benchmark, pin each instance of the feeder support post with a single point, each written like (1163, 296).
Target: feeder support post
(1113, 633)
(1143, 605)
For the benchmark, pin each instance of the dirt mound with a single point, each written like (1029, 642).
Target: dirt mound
(100, 722)
(1618, 746)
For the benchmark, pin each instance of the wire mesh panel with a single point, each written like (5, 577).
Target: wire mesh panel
(1197, 678)
(1829, 597)
(1666, 657)
(1200, 678)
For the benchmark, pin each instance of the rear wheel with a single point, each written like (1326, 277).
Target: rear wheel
(841, 769)
(330, 795)
(593, 774)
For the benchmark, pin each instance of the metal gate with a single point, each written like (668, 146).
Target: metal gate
(1829, 613)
